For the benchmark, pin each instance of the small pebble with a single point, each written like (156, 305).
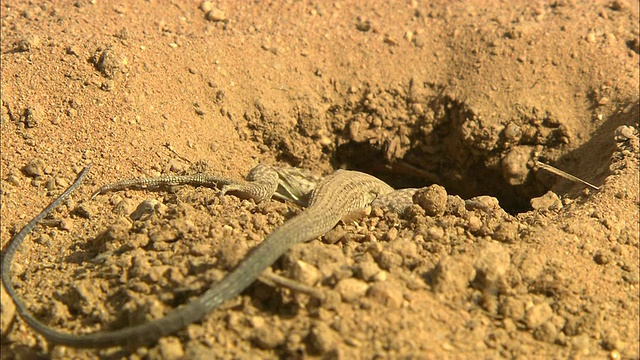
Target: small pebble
(33, 115)
(268, 337)
(506, 232)
(50, 185)
(28, 43)
(197, 350)
(216, 15)
(631, 278)
(546, 332)
(389, 259)
(195, 331)
(386, 293)
(409, 36)
(294, 343)
(513, 132)
(322, 338)
(61, 182)
(107, 62)
(66, 224)
(85, 210)
(206, 6)
(580, 345)
(452, 275)
(514, 165)
(144, 208)
(118, 231)
(491, 266)
(483, 202)
(537, 315)
(392, 234)
(435, 232)
(73, 50)
(380, 276)
(14, 179)
(602, 258)
(305, 273)
(7, 309)
(334, 235)
(367, 270)
(171, 348)
(107, 85)
(35, 168)
(455, 206)
(547, 202)
(351, 289)
(513, 308)
(432, 199)
(474, 223)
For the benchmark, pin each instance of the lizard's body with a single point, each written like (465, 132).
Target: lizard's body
(333, 198)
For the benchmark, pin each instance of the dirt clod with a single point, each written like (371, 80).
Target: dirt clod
(33, 115)
(386, 293)
(107, 62)
(452, 276)
(305, 273)
(547, 202)
(7, 310)
(216, 15)
(537, 315)
(322, 338)
(351, 289)
(514, 165)
(35, 168)
(432, 199)
(267, 338)
(171, 348)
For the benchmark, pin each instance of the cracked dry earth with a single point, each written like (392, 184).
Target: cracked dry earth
(466, 95)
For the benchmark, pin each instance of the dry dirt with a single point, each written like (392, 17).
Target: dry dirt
(465, 95)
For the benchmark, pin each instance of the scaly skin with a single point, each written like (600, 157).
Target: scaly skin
(334, 197)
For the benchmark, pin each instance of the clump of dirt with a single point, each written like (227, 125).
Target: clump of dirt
(499, 259)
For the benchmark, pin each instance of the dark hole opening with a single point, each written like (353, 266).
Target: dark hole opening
(447, 145)
(474, 181)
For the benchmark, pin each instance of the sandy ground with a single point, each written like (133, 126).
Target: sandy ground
(466, 95)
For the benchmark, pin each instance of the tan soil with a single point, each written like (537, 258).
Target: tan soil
(465, 95)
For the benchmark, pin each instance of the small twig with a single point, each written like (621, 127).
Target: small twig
(270, 278)
(563, 174)
(170, 148)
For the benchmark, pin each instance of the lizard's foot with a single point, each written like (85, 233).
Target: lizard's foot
(252, 190)
(261, 185)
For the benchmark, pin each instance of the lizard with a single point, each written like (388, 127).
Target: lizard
(328, 201)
